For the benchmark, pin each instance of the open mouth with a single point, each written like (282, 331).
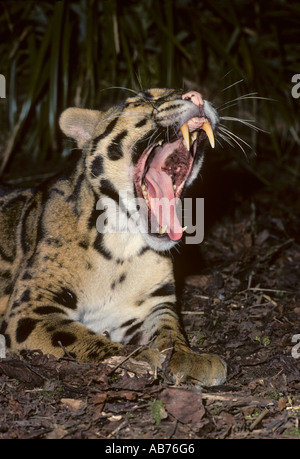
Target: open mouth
(161, 174)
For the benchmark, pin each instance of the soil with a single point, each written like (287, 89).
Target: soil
(240, 298)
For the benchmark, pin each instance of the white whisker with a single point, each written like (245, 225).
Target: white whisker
(234, 138)
(245, 122)
(250, 95)
(233, 84)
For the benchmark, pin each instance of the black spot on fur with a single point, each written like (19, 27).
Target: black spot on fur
(114, 149)
(141, 123)
(98, 245)
(27, 276)
(107, 188)
(5, 257)
(139, 302)
(164, 290)
(107, 131)
(122, 278)
(8, 289)
(94, 214)
(3, 327)
(65, 338)
(25, 297)
(29, 217)
(25, 328)
(5, 275)
(119, 281)
(147, 95)
(83, 244)
(66, 298)
(48, 310)
(97, 166)
(15, 305)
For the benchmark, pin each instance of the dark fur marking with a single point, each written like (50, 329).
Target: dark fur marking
(127, 323)
(5, 257)
(48, 310)
(141, 123)
(107, 131)
(65, 338)
(94, 214)
(26, 226)
(15, 305)
(8, 289)
(99, 247)
(5, 274)
(97, 166)
(25, 296)
(122, 278)
(171, 107)
(25, 328)
(83, 244)
(136, 338)
(133, 329)
(58, 191)
(164, 290)
(107, 188)
(3, 327)
(114, 150)
(66, 298)
(147, 95)
(119, 281)
(143, 250)
(74, 197)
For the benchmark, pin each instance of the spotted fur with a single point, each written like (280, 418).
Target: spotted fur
(66, 285)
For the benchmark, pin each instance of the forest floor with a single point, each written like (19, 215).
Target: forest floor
(242, 303)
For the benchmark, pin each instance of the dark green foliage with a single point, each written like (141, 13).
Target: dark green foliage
(63, 53)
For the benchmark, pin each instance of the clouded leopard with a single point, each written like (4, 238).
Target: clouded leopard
(85, 261)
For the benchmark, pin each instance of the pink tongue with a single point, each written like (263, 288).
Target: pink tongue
(159, 185)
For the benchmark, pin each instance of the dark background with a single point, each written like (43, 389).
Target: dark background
(241, 55)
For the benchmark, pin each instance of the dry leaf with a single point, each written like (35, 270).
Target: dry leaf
(73, 404)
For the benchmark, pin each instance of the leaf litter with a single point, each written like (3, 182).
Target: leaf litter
(242, 302)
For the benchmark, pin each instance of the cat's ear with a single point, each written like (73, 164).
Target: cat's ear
(79, 123)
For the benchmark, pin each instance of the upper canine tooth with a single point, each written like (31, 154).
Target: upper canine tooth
(160, 142)
(209, 132)
(186, 135)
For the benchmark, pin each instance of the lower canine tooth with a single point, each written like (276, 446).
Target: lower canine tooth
(184, 229)
(186, 135)
(162, 230)
(194, 136)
